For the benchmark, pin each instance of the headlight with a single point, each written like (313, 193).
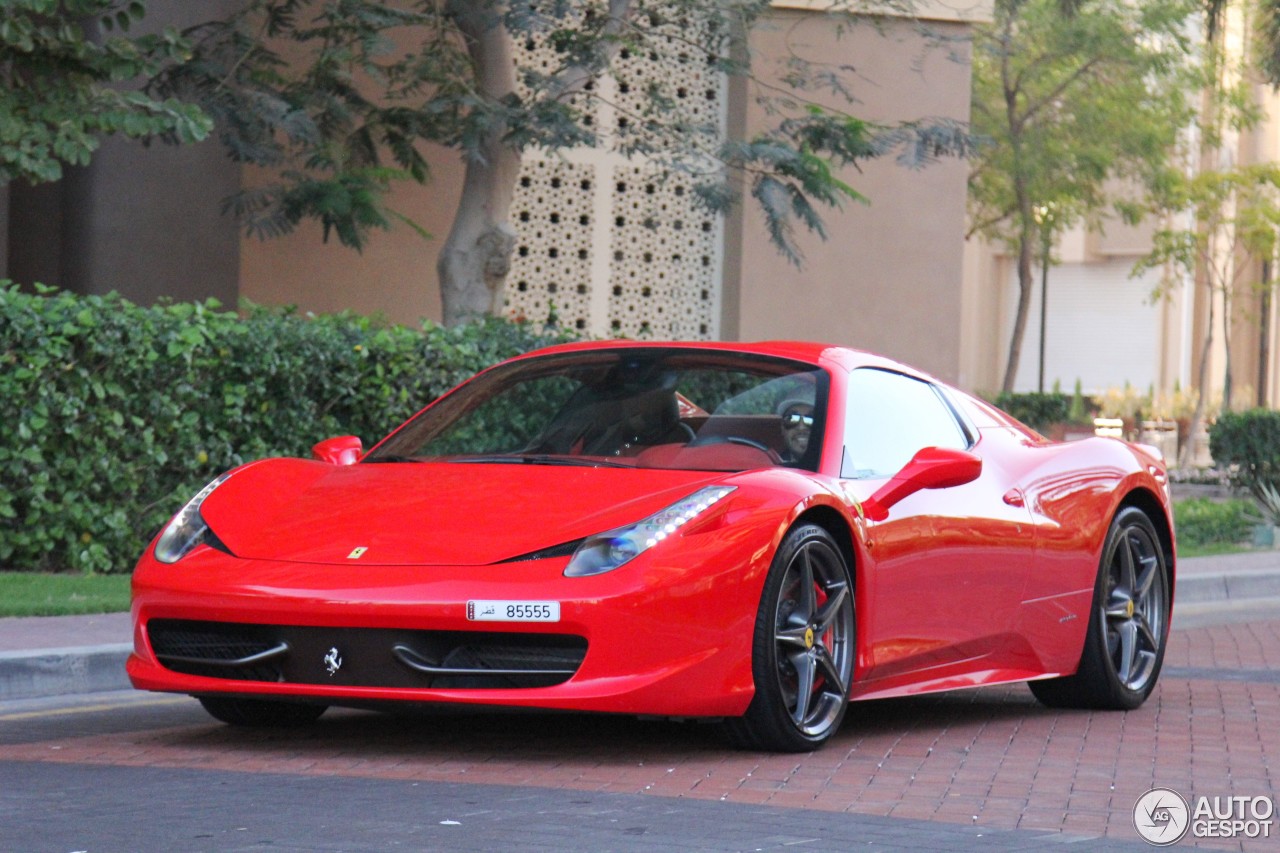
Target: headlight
(187, 528)
(606, 551)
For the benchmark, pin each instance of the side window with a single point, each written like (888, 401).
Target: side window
(890, 418)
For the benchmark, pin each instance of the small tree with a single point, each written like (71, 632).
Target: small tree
(63, 84)
(1075, 98)
(1227, 222)
(337, 97)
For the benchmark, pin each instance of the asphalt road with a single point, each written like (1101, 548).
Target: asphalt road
(84, 797)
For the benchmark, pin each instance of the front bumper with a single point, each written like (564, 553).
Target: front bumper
(653, 637)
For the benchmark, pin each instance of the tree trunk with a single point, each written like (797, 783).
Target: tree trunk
(1227, 378)
(476, 255)
(1022, 201)
(1202, 376)
(1026, 285)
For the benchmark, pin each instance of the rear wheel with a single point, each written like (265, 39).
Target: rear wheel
(803, 647)
(1128, 623)
(260, 713)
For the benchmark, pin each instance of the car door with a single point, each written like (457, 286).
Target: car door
(944, 572)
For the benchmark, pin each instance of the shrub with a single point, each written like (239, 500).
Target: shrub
(1035, 409)
(1201, 521)
(1248, 445)
(1249, 441)
(117, 413)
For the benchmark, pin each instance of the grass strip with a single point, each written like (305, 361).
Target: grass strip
(62, 593)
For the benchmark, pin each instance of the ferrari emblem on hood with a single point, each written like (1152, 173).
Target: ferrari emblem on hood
(357, 553)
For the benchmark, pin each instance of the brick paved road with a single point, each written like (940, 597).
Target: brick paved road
(984, 759)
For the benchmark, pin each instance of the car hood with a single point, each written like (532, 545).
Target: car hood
(429, 513)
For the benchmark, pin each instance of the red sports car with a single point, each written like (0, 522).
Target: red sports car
(757, 533)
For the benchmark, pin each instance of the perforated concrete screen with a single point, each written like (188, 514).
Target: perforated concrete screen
(612, 244)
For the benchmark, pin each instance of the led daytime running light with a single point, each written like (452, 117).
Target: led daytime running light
(606, 551)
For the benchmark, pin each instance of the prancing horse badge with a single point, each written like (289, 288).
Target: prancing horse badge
(333, 661)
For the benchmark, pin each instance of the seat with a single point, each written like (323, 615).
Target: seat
(611, 422)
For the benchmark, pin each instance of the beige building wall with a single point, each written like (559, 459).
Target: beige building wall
(394, 276)
(889, 276)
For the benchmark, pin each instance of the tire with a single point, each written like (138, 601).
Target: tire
(261, 713)
(1128, 623)
(802, 649)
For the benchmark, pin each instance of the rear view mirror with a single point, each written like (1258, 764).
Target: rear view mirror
(931, 468)
(341, 450)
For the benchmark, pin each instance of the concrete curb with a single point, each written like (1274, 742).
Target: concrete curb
(1228, 586)
(57, 672)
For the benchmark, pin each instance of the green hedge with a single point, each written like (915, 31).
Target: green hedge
(1248, 445)
(115, 413)
(1035, 409)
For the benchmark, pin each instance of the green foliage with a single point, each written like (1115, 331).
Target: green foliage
(1268, 496)
(118, 413)
(339, 98)
(1077, 412)
(1248, 445)
(1243, 201)
(1268, 46)
(1036, 410)
(63, 72)
(1071, 101)
(1201, 522)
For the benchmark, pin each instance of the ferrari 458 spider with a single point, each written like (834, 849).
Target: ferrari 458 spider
(751, 533)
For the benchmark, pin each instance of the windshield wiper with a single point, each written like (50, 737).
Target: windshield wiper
(394, 458)
(543, 459)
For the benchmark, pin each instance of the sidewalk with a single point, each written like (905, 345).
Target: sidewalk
(58, 655)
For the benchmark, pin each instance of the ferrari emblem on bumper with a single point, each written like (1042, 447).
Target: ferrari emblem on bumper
(333, 661)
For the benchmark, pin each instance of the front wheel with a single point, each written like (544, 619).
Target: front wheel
(1128, 623)
(260, 713)
(803, 647)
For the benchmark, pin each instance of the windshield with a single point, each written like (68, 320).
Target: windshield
(638, 407)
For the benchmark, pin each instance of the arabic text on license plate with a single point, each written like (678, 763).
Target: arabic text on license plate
(513, 611)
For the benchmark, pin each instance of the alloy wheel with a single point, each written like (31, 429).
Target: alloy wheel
(813, 637)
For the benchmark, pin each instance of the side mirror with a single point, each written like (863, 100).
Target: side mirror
(342, 450)
(931, 468)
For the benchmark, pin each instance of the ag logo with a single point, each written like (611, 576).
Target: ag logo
(1161, 817)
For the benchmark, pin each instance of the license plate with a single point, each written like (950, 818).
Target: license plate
(513, 611)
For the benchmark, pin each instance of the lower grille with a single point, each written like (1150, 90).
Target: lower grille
(366, 657)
